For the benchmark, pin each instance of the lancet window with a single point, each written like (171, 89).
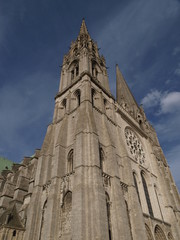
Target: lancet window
(74, 70)
(78, 96)
(136, 186)
(14, 233)
(70, 162)
(92, 96)
(146, 192)
(148, 233)
(94, 69)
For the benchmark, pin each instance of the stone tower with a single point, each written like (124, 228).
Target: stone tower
(100, 174)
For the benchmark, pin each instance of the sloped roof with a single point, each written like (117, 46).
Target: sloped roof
(10, 218)
(5, 164)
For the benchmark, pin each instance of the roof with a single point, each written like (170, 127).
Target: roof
(5, 164)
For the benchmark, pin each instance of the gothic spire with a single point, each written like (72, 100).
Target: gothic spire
(83, 29)
(123, 93)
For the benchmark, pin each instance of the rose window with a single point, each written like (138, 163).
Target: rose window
(135, 146)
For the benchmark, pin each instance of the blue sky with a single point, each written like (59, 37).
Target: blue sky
(142, 36)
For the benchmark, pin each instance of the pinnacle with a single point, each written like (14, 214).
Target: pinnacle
(83, 29)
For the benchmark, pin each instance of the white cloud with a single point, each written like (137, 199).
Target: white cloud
(166, 102)
(152, 99)
(170, 102)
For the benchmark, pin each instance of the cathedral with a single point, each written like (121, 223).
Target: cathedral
(100, 173)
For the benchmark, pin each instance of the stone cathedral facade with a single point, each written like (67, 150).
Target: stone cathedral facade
(100, 174)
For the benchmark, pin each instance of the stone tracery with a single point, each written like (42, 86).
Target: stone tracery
(135, 146)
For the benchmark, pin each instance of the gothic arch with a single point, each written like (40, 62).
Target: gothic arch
(74, 69)
(70, 158)
(95, 68)
(170, 236)
(148, 233)
(77, 94)
(66, 215)
(158, 233)
(146, 192)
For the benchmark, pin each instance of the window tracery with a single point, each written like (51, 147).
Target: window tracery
(135, 146)
(148, 232)
(159, 234)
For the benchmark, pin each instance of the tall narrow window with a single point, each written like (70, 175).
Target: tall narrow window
(66, 216)
(14, 233)
(72, 74)
(70, 162)
(101, 153)
(136, 186)
(77, 70)
(78, 95)
(92, 96)
(108, 216)
(147, 195)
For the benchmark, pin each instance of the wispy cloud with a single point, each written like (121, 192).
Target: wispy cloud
(166, 102)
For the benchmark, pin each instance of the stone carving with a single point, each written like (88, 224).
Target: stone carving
(135, 146)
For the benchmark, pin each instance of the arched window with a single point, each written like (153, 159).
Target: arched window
(136, 186)
(94, 70)
(159, 234)
(148, 233)
(64, 103)
(14, 233)
(92, 96)
(170, 236)
(108, 215)
(70, 162)
(78, 96)
(102, 158)
(74, 69)
(147, 195)
(66, 215)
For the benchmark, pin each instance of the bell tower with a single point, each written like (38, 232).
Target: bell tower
(83, 57)
(100, 173)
